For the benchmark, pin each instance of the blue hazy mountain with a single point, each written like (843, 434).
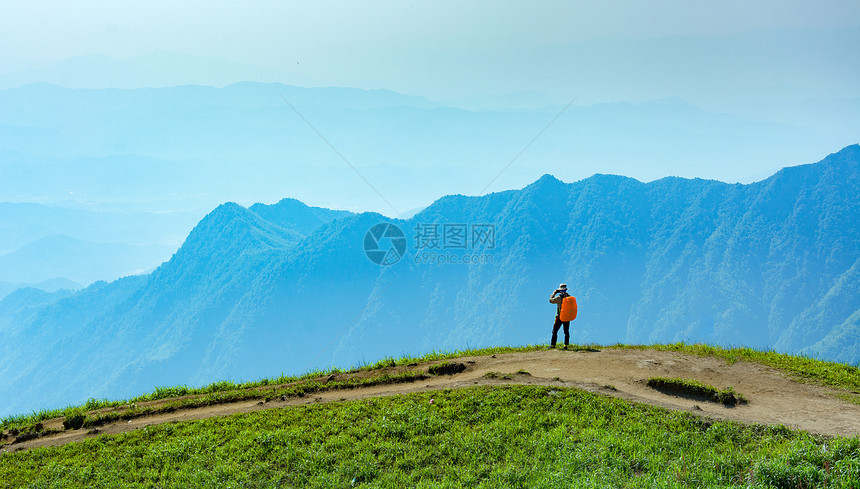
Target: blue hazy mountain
(23, 223)
(52, 285)
(79, 261)
(286, 287)
(53, 247)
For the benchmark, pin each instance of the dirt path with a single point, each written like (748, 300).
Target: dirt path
(773, 397)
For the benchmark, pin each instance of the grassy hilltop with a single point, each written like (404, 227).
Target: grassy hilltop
(481, 436)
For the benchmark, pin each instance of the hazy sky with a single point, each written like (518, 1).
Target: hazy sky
(793, 65)
(442, 49)
(275, 32)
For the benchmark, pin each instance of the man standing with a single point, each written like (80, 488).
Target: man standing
(565, 313)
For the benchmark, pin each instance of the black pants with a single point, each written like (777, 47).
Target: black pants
(558, 324)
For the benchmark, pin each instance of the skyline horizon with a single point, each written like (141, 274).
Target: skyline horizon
(97, 208)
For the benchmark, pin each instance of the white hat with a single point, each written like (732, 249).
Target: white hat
(562, 286)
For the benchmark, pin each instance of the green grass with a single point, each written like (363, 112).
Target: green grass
(694, 388)
(506, 436)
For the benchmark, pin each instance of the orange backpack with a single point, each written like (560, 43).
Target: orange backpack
(568, 309)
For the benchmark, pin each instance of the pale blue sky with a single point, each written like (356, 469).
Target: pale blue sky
(441, 49)
(787, 70)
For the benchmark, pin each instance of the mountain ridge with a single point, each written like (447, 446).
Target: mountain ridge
(669, 260)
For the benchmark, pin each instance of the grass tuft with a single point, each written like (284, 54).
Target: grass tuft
(697, 390)
(74, 421)
(447, 368)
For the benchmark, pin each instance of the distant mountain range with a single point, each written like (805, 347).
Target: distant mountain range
(52, 285)
(194, 147)
(61, 256)
(52, 247)
(286, 287)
